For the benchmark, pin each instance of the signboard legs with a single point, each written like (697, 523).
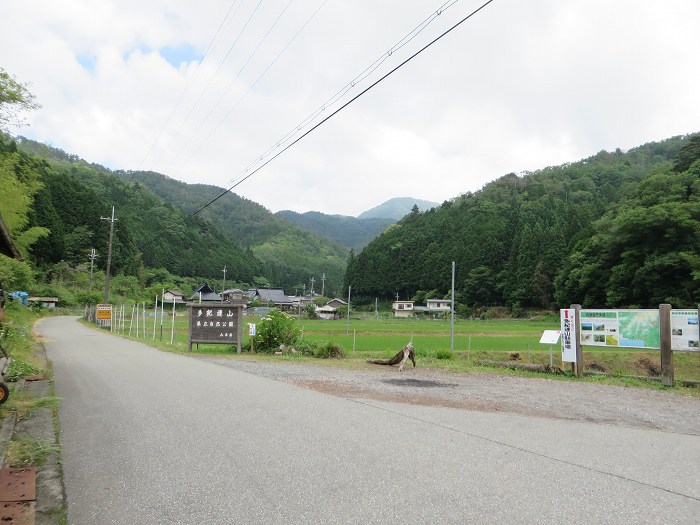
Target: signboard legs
(578, 365)
(666, 350)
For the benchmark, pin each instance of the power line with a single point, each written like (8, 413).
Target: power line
(406, 61)
(333, 99)
(189, 82)
(335, 112)
(206, 117)
(228, 114)
(177, 132)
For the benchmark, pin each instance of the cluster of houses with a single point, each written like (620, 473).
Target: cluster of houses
(433, 307)
(268, 297)
(276, 298)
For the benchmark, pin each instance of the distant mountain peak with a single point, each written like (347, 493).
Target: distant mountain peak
(397, 208)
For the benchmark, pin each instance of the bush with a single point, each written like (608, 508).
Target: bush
(19, 369)
(443, 354)
(329, 351)
(274, 330)
(306, 347)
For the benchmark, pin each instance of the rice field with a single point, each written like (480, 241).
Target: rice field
(515, 340)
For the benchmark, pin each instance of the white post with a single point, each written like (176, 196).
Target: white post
(131, 323)
(172, 327)
(347, 330)
(137, 321)
(162, 312)
(155, 318)
(452, 340)
(143, 313)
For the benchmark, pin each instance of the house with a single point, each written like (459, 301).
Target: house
(272, 297)
(233, 294)
(204, 294)
(439, 306)
(336, 303)
(44, 302)
(326, 312)
(402, 308)
(170, 296)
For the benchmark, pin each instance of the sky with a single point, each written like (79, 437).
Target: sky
(235, 93)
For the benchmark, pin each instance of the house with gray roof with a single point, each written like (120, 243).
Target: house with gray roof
(205, 294)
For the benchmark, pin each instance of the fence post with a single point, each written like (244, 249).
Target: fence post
(666, 351)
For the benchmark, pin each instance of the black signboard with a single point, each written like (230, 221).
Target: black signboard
(216, 323)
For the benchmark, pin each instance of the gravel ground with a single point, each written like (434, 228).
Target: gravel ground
(606, 404)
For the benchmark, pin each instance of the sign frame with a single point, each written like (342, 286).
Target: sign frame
(216, 323)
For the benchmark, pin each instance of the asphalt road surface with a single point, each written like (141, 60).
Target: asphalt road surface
(150, 437)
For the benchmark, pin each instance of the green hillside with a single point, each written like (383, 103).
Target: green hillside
(156, 228)
(396, 208)
(615, 229)
(348, 231)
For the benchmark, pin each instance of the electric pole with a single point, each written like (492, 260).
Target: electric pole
(323, 285)
(312, 286)
(92, 256)
(109, 253)
(223, 285)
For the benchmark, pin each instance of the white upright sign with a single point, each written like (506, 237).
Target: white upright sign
(685, 335)
(568, 335)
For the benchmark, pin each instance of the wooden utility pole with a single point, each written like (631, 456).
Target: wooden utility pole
(92, 256)
(578, 365)
(666, 350)
(109, 253)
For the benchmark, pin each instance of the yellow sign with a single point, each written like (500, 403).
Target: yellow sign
(104, 312)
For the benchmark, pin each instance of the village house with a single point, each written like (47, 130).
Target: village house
(170, 296)
(274, 297)
(336, 303)
(439, 306)
(403, 308)
(326, 312)
(204, 294)
(233, 294)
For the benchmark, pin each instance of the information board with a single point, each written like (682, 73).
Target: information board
(568, 335)
(216, 323)
(684, 330)
(621, 328)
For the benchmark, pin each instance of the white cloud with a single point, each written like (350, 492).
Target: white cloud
(520, 86)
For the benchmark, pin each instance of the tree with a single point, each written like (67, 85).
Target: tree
(14, 99)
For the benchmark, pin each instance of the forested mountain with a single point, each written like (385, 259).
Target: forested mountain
(289, 255)
(155, 227)
(348, 231)
(616, 229)
(396, 208)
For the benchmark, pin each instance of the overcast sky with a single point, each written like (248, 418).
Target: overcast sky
(202, 91)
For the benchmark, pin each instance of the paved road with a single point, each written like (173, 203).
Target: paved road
(155, 438)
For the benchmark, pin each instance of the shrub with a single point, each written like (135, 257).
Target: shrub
(275, 329)
(443, 354)
(329, 351)
(306, 347)
(19, 369)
